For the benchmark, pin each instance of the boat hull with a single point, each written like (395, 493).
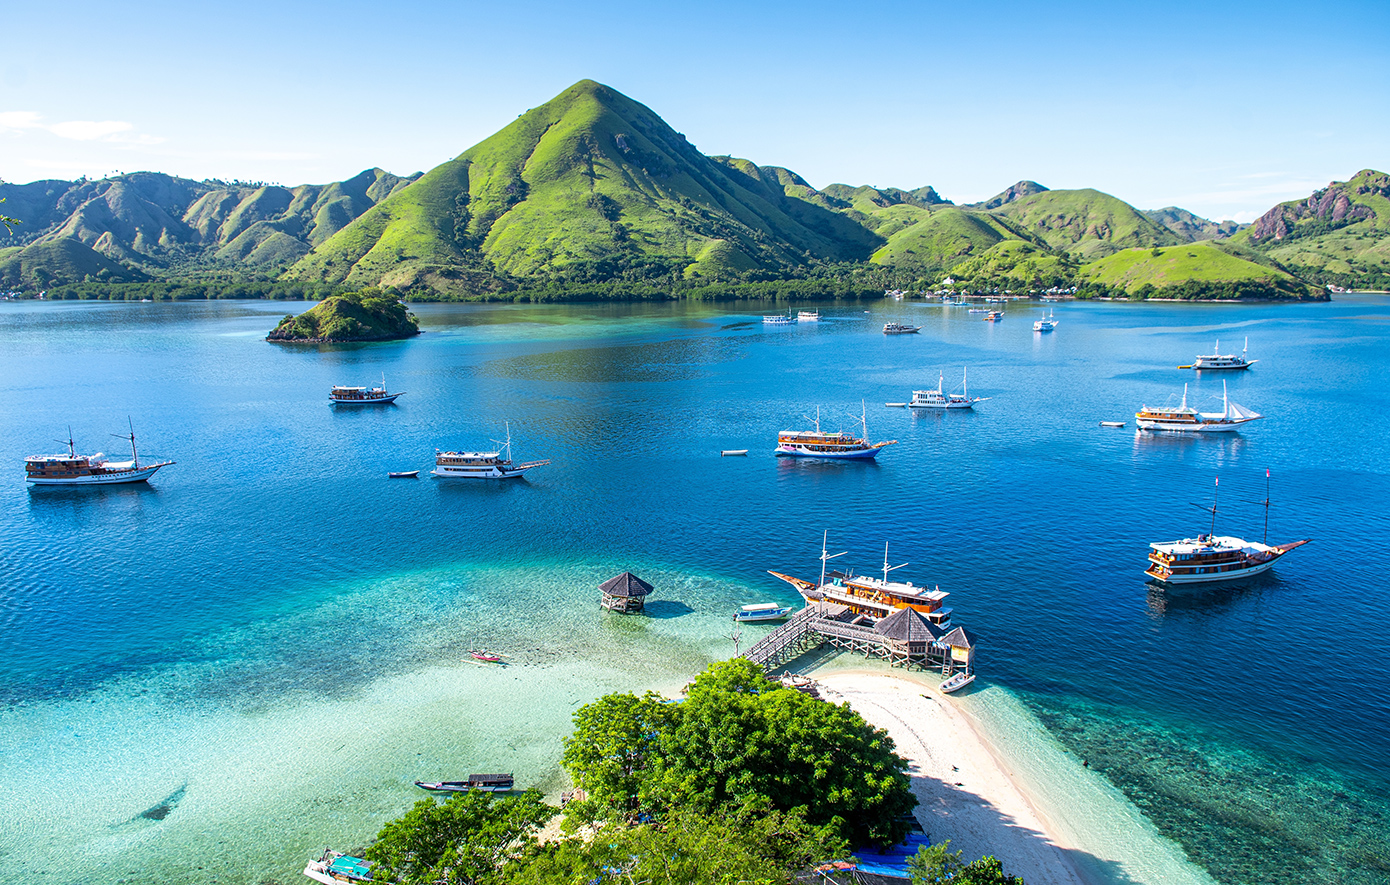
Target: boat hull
(375, 401)
(1213, 577)
(857, 455)
(115, 478)
(1185, 427)
(941, 405)
(490, 473)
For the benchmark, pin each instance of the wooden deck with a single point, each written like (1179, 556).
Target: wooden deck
(817, 625)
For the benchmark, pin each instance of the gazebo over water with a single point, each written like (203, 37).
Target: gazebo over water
(625, 593)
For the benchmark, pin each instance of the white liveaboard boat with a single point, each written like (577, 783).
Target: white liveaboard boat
(1046, 324)
(900, 329)
(482, 465)
(1218, 360)
(1210, 557)
(779, 319)
(939, 399)
(1189, 420)
(763, 611)
(73, 469)
(994, 316)
(808, 316)
(363, 396)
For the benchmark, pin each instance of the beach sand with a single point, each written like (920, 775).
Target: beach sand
(967, 795)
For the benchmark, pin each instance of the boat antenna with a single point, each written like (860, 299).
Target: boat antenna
(134, 458)
(887, 568)
(826, 556)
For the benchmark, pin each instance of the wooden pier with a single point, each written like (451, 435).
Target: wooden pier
(903, 639)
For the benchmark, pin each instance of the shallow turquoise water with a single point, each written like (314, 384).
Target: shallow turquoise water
(278, 626)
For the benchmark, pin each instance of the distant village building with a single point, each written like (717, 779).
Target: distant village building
(625, 593)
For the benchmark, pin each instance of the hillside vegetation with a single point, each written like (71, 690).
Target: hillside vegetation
(592, 195)
(1194, 269)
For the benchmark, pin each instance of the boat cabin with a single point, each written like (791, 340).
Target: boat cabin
(879, 598)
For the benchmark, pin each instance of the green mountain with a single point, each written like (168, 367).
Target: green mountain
(1203, 269)
(1190, 227)
(1338, 235)
(590, 183)
(150, 222)
(1085, 223)
(59, 261)
(1014, 192)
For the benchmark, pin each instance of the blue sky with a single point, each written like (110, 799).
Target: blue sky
(1224, 109)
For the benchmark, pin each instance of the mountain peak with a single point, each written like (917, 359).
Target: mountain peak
(1016, 191)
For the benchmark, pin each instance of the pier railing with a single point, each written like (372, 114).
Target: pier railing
(809, 629)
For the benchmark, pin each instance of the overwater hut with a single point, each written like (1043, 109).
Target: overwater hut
(961, 646)
(625, 593)
(907, 636)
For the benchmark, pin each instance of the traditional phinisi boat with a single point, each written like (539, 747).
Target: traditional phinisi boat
(870, 596)
(1218, 360)
(1185, 419)
(939, 399)
(821, 444)
(482, 465)
(1210, 557)
(73, 469)
(363, 396)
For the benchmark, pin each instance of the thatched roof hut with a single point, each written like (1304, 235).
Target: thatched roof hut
(625, 593)
(908, 625)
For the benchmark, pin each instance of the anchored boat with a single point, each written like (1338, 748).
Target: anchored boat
(1218, 360)
(900, 329)
(363, 396)
(821, 444)
(482, 465)
(870, 596)
(1185, 419)
(336, 868)
(486, 783)
(1209, 557)
(1046, 324)
(763, 611)
(73, 469)
(939, 399)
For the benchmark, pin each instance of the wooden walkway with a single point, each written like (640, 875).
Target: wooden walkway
(809, 629)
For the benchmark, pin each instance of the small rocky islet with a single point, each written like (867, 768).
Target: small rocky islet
(368, 315)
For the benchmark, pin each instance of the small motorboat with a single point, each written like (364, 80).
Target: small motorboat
(1112, 424)
(336, 868)
(958, 681)
(404, 474)
(486, 656)
(730, 452)
(763, 611)
(487, 783)
(896, 405)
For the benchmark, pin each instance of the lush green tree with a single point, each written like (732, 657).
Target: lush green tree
(738, 845)
(934, 864)
(985, 871)
(5, 219)
(464, 841)
(613, 749)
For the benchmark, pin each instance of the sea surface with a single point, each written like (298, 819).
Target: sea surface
(211, 677)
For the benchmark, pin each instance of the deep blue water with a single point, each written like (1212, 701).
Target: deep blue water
(1251, 723)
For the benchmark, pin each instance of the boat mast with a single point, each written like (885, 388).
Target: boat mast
(1184, 398)
(134, 457)
(1265, 540)
(72, 448)
(1214, 496)
(886, 567)
(864, 420)
(824, 557)
(1225, 402)
(965, 381)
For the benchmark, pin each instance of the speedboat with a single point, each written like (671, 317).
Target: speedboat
(336, 868)
(763, 611)
(958, 681)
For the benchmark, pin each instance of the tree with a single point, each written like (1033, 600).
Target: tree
(744, 740)
(934, 864)
(5, 219)
(464, 841)
(613, 750)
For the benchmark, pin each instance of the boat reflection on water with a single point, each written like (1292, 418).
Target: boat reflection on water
(1176, 599)
(1227, 445)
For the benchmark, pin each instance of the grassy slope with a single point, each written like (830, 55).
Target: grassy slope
(943, 238)
(590, 176)
(1013, 260)
(66, 260)
(1086, 223)
(1201, 262)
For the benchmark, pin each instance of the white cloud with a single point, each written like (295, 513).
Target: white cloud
(77, 130)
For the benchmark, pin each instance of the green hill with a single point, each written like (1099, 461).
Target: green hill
(1016, 191)
(355, 316)
(1339, 235)
(941, 239)
(1086, 223)
(45, 264)
(1016, 263)
(1206, 269)
(590, 183)
(1190, 227)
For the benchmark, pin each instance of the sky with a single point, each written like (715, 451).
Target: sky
(1224, 109)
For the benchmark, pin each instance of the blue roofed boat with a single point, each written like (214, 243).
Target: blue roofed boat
(335, 868)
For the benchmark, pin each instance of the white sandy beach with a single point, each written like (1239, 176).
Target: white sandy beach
(966, 794)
